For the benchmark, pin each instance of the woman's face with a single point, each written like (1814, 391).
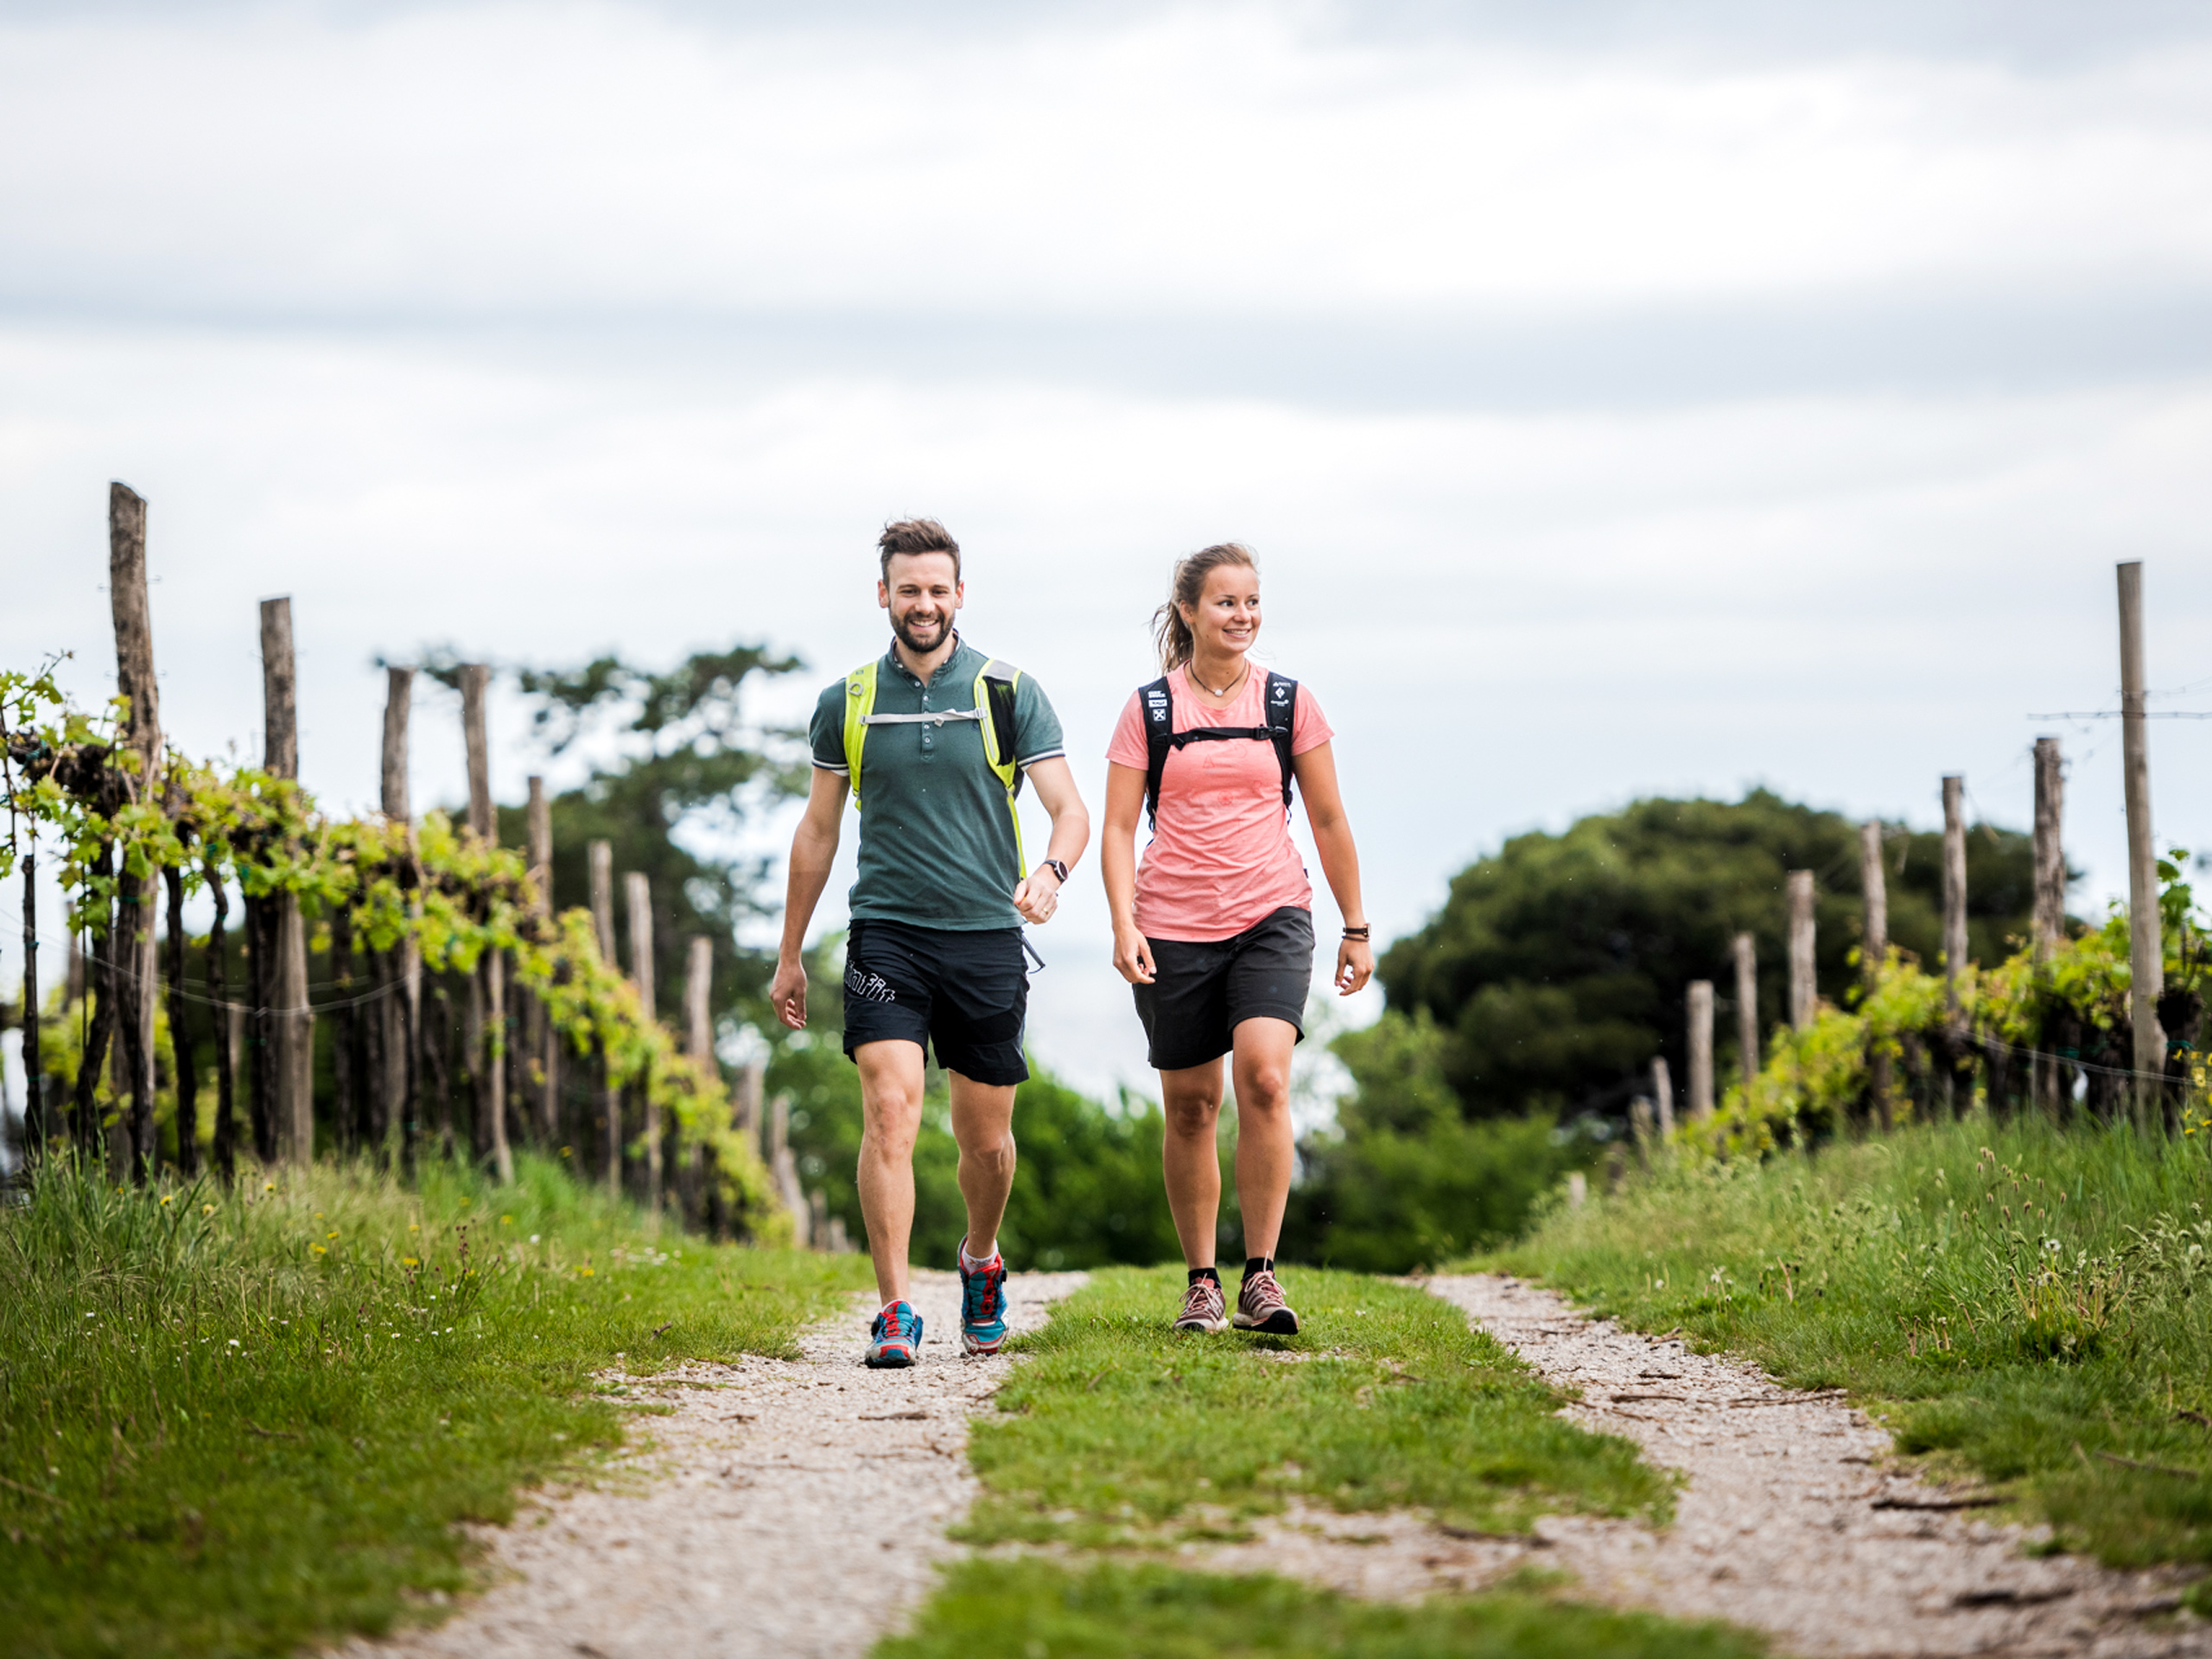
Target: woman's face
(1226, 619)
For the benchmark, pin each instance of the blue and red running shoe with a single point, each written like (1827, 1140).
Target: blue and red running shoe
(895, 1337)
(982, 1304)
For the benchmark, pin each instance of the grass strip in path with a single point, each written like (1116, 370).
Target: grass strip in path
(1117, 1430)
(2029, 1305)
(241, 1422)
(1032, 1609)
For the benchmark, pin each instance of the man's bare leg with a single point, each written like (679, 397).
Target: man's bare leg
(982, 1124)
(891, 1108)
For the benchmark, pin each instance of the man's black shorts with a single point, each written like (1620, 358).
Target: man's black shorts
(966, 993)
(1200, 992)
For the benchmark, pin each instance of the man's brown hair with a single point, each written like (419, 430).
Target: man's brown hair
(918, 536)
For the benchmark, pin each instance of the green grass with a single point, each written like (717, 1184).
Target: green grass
(1117, 1430)
(2023, 1305)
(240, 1423)
(1030, 1609)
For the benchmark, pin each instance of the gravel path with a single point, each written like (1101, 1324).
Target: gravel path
(788, 1508)
(1789, 1521)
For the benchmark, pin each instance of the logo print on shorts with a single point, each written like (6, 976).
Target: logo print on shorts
(870, 987)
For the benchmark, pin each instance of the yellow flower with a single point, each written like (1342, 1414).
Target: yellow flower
(408, 1261)
(413, 1227)
(165, 1198)
(207, 1209)
(505, 1221)
(320, 1250)
(269, 1186)
(586, 1272)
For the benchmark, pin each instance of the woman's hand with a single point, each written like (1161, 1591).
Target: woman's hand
(1132, 956)
(1354, 965)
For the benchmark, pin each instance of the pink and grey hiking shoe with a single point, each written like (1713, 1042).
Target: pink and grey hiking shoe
(1260, 1306)
(1204, 1308)
(895, 1338)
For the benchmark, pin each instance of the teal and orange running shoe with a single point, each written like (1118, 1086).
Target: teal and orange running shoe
(982, 1304)
(895, 1337)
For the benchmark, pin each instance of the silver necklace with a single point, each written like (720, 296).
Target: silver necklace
(1226, 689)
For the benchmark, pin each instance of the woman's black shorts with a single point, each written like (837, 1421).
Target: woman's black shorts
(1200, 992)
(967, 993)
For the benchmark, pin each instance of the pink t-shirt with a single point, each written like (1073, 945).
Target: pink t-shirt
(1221, 857)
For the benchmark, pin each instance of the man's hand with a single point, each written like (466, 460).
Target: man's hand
(1038, 896)
(1132, 956)
(788, 995)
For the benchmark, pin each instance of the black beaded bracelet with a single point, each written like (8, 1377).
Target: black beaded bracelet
(1358, 932)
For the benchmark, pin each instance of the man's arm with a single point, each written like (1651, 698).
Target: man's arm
(1037, 895)
(814, 849)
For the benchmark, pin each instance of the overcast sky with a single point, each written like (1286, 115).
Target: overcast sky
(1622, 398)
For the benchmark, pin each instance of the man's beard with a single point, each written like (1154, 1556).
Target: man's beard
(902, 628)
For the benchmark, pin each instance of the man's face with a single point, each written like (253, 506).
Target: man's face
(923, 596)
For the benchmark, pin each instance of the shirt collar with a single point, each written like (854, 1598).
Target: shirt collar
(959, 649)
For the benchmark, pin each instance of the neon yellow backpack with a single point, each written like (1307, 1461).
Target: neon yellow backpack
(994, 712)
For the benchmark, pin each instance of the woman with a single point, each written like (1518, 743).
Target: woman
(1214, 929)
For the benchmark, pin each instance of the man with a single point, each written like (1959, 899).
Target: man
(934, 739)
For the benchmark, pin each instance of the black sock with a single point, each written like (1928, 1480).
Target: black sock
(1258, 1264)
(1197, 1274)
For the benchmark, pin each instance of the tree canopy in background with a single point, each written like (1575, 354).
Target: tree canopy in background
(1557, 970)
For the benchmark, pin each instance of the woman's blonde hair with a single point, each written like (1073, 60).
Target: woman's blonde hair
(1170, 633)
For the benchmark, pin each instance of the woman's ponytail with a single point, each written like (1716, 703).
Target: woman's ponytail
(1170, 633)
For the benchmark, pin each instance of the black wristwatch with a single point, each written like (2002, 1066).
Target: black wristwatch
(1057, 869)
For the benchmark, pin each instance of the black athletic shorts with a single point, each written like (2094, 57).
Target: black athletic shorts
(1200, 992)
(967, 993)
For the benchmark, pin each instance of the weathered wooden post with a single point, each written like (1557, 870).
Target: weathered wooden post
(1955, 894)
(1747, 1006)
(34, 1063)
(1662, 1092)
(487, 994)
(540, 1041)
(785, 1168)
(1700, 1013)
(2047, 927)
(637, 895)
(745, 1103)
(1874, 947)
(2145, 930)
(400, 1012)
(600, 859)
(187, 1072)
(699, 1044)
(291, 1047)
(229, 1020)
(131, 952)
(1804, 987)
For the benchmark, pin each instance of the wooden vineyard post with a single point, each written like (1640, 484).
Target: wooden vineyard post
(185, 1071)
(540, 1040)
(134, 965)
(290, 1050)
(1747, 1006)
(1804, 993)
(699, 1044)
(400, 1011)
(1662, 1091)
(1954, 895)
(2145, 941)
(35, 1118)
(487, 997)
(637, 895)
(2047, 928)
(1700, 1011)
(1874, 948)
(228, 1019)
(783, 1164)
(599, 858)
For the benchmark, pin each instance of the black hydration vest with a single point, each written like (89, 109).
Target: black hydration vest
(1278, 701)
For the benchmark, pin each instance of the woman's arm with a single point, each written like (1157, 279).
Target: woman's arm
(1117, 863)
(1316, 772)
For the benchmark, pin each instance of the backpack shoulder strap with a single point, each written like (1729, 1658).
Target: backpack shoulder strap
(994, 699)
(1280, 706)
(1158, 704)
(860, 703)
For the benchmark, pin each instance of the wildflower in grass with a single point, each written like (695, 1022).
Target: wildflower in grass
(269, 1186)
(320, 1250)
(166, 1196)
(333, 1233)
(207, 1209)
(507, 1221)
(408, 1261)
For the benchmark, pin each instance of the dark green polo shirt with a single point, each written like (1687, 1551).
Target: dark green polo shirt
(937, 841)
